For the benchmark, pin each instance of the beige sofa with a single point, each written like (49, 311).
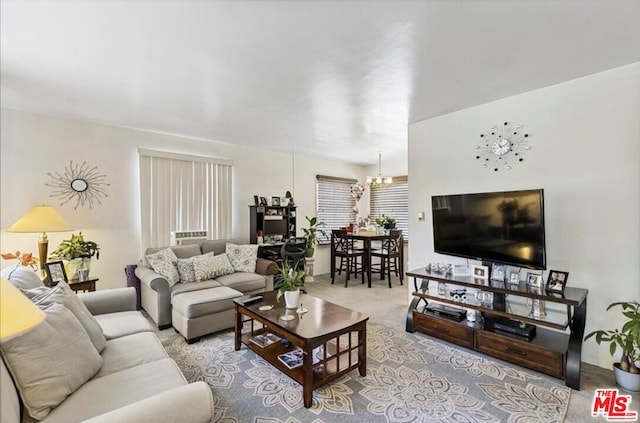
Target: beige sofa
(136, 380)
(198, 308)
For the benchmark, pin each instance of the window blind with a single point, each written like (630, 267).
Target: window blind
(393, 201)
(183, 193)
(334, 204)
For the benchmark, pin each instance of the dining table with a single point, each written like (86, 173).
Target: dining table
(367, 237)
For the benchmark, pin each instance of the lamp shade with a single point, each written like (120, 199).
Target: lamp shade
(41, 219)
(17, 313)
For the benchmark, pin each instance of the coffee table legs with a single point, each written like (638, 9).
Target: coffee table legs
(238, 330)
(362, 350)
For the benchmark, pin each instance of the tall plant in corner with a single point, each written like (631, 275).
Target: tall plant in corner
(628, 339)
(311, 235)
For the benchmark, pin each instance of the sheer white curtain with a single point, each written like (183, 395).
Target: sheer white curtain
(180, 192)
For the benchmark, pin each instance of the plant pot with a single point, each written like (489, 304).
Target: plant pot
(309, 252)
(74, 266)
(630, 382)
(292, 299)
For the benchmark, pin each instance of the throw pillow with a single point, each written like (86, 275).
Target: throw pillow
(242, 257)
(185, 270)
(22, 277)
(51, 361)
(62, 294)
(208, 266)
(164, 263)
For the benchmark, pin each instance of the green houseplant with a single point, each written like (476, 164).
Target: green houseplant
(77, 252)
(311, 235)
(628, 339)
(288, 284)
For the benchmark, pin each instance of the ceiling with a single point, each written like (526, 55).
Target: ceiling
(334, 79)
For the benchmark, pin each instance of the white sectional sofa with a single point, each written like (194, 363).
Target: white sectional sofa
(135, 381)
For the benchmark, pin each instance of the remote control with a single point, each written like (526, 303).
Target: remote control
(252, 300)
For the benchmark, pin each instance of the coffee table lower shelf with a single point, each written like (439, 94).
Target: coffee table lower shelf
(333, 340)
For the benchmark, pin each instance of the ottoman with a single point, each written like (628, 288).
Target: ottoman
(197, 313)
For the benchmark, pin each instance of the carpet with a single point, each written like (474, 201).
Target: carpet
(410, 378)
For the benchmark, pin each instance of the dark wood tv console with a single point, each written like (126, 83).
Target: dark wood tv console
(553, 352)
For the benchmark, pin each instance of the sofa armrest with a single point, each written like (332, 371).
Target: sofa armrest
(155, 295)
(110, 300)
(190, 403)
(266, 267)
(152, 279)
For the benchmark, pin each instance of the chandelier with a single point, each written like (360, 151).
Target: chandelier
(379, 181)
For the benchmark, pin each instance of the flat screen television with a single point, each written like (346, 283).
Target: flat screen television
(502, 227)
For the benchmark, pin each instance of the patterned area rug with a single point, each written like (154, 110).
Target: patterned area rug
(410, 378)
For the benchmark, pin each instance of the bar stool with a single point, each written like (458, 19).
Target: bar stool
(391, 256)
(342, 248)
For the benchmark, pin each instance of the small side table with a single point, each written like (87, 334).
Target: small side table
(85, 286)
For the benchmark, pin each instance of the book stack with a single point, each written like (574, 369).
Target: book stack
(293, 359)
(265, 339)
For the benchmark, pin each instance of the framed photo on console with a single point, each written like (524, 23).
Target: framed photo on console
(275, 201)
(55, 272)
(557, 281)
(480, 272)
(534, 280)
(461, 269)
(498, 272)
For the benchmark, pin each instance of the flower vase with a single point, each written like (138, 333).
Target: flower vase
(292, 299)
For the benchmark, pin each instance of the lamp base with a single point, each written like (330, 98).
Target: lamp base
(43, 246)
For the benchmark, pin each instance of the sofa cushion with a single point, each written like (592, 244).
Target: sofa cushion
(103, 394)
(219, 246)
(242, 257)
(209, 266)
(164, 263)
(10, 403)
(243, 281)
(22, 277)
(205, 301)
(115, 325)
(51, 361)
(186, 271)
(62, 294)
(130, 351)
(187, 287)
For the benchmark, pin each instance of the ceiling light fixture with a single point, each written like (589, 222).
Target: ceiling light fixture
(379, 181)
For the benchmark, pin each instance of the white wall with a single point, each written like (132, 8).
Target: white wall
(585, 154)
(32, 145)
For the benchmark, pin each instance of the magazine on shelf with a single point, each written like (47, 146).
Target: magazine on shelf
(294, 358)
(265, 339)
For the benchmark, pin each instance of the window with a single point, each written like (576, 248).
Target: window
(334, 203)
(179, 192)
(394, 201)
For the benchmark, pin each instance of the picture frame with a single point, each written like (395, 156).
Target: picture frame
(461, 269)
(263, 201)
(256, 201)
(275, 201)
(556, 281)
(534, 279)
(498, 272)
(481, 272)
(55, 272)
(514, 277)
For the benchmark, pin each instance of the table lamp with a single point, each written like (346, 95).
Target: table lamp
(17, 313)
(41, 219)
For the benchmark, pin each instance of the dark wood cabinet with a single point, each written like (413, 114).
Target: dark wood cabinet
(273, 223)
(552, 350)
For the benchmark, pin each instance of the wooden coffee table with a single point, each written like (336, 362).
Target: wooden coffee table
(333, 338)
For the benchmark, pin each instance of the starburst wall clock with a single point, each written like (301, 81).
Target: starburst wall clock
(503, 146)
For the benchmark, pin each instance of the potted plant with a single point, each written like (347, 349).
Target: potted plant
(77, 252)
(626, 372)
(386, 221)
(311, 235)
(288, 284)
